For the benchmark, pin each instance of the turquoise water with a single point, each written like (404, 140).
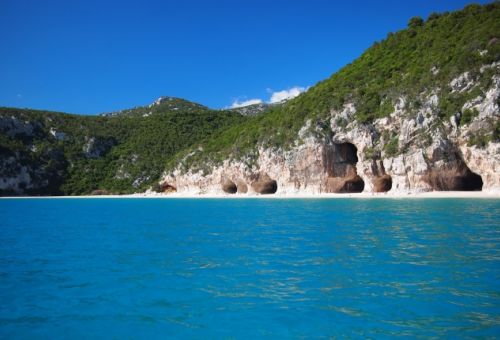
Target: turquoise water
(153, 268)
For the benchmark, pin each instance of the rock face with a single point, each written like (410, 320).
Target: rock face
(242, 188)
(13, 126)
(400, 153)
(253, 110)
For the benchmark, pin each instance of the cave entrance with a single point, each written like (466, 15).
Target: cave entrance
(167, 188)
(265, 185)
(229, 187)
(471, 182)
(382, 183)
(454, 180)
(456, 177)
(341, 162)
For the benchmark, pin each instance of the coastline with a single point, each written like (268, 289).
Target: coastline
(397, 195)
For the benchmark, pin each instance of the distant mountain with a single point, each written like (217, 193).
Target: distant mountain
(162, 104)
(417, 111)
(253, 109)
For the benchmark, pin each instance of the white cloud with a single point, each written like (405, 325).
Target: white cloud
(275, 97)
(19, 96)
(280, 96)
(237, 103)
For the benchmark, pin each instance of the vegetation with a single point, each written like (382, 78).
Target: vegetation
(468, 115)
(120, 154)
(391, 148)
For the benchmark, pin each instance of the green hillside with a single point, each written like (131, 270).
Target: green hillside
(120, 154)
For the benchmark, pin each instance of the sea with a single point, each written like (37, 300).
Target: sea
(125, 268)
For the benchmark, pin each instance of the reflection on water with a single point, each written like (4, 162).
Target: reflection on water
(249, 268)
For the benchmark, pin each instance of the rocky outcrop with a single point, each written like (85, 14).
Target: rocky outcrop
(242, 187)
(252, 110)
(13, 126)
(26, 174)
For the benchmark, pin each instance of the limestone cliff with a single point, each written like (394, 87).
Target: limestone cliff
(400, 153)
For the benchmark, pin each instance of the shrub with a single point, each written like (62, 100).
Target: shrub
(391, 149)
(468, 115)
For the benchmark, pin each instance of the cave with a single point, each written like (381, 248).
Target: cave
(471, 182)
(455, 175)
(455, 178)
(229, 187)
(167, 188)
(265, 185)
(340, 160)
(382, 183)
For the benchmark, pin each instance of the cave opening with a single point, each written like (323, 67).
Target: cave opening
(229, 187)
(168, 188)
(265, 186)
(455, 178)
(382, 183)
(471, 182)
(341, 162)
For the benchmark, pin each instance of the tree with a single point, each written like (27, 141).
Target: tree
(415, 22)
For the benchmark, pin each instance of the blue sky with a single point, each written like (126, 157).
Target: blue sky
(97, 56)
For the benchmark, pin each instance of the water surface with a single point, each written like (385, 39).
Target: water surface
(209, 268)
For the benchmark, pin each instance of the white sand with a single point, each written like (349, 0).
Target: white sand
(397, 195)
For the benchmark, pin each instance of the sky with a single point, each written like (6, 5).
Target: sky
(89, 56)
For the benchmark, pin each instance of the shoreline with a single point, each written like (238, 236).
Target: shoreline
(397, 195)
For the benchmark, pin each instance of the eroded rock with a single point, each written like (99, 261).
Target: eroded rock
(242, 187)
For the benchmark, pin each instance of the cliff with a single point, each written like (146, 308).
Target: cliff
(400, 153)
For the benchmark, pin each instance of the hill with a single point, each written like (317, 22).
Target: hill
(54, 153)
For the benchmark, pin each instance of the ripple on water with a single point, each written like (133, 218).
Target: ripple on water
(249, 268)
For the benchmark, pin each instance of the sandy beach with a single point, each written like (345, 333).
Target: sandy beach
(396, 195)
